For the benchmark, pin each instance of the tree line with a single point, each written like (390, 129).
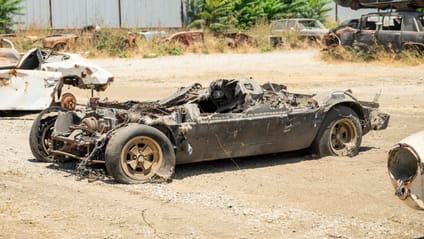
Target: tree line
(225, 15)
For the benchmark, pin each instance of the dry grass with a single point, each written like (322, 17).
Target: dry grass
(375, 55)
(118, 43)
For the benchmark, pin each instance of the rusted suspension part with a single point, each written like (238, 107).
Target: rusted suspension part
(68, 101)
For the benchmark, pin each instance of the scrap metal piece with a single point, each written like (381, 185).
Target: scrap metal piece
(60, 41)
(186, 38)
(235, 39)
(68, 101)
(406, 169)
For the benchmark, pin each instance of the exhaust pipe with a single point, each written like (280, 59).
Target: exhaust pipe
(406, 170)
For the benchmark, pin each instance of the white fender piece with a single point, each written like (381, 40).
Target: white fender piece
(406, 170)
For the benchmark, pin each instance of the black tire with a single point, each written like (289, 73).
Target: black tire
(339, 135)
(41, 130)
(139, 154)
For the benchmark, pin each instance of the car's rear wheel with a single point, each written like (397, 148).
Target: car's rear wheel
(41, 131)
(138, 154)
(340, 133)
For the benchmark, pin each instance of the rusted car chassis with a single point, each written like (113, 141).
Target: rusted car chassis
(142, 141)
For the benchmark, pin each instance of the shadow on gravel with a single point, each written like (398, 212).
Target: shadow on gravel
(365, 149)
(7, 115)
(258, 161)
(97, 172)
(226, 165)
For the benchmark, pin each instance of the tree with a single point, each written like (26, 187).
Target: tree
(217, 15)
(221, 15)
(8, 9)
(316, 9)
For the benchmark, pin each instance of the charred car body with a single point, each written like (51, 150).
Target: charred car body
(35, 80)
(406, 170)
(142, 141)
(397, 31)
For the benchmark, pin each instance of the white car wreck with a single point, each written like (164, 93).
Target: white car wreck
(406, 170)
(35, 80)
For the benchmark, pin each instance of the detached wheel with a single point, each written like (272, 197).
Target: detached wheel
(340, 133)
(139, 154)
(41, 131)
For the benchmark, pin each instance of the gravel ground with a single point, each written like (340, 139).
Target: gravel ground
(278, 196)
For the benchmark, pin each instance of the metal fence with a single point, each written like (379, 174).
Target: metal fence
(64, 14)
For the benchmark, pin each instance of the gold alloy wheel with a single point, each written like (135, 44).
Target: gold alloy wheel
(343, 136)
(141, 157)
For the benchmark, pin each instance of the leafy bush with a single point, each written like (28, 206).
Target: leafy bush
(8, 9)
(225, 15)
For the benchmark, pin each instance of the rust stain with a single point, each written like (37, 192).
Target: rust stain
(13, 72)
(89, 71)
(4, 82)
(26, 86)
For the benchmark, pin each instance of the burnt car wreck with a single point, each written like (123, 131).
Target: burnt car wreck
(399, 29)
(142, 141)
(406, 169)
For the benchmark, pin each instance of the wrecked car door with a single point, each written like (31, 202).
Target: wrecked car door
(365, 37)
(412, 31)
(26, 89)
(390, 33)
(261, 133)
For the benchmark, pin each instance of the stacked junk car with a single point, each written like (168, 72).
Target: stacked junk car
(143, 141)
(395, 25)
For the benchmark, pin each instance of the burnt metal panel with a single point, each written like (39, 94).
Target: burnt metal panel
(151, 13)
(35, 14)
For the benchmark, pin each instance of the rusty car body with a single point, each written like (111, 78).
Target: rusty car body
(35, 80)
(60, 41)
(406, 169)
(397, 31)
(235, 39)
(186, 38)
(142, 141)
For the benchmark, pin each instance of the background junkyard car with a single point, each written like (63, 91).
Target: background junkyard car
(394, 30)
(142, 141)
(304, 28)
(60, 41)
(33, 81)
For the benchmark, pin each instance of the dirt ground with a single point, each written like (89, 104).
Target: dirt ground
(275, 196)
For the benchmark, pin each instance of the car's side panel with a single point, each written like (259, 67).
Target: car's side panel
(192, 145)
(250, 134)
(26, 89)
(389, 39)
(364, 39)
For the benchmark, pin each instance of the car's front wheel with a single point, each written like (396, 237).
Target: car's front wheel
(138, 154)
(340, 133)
(41, 131)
